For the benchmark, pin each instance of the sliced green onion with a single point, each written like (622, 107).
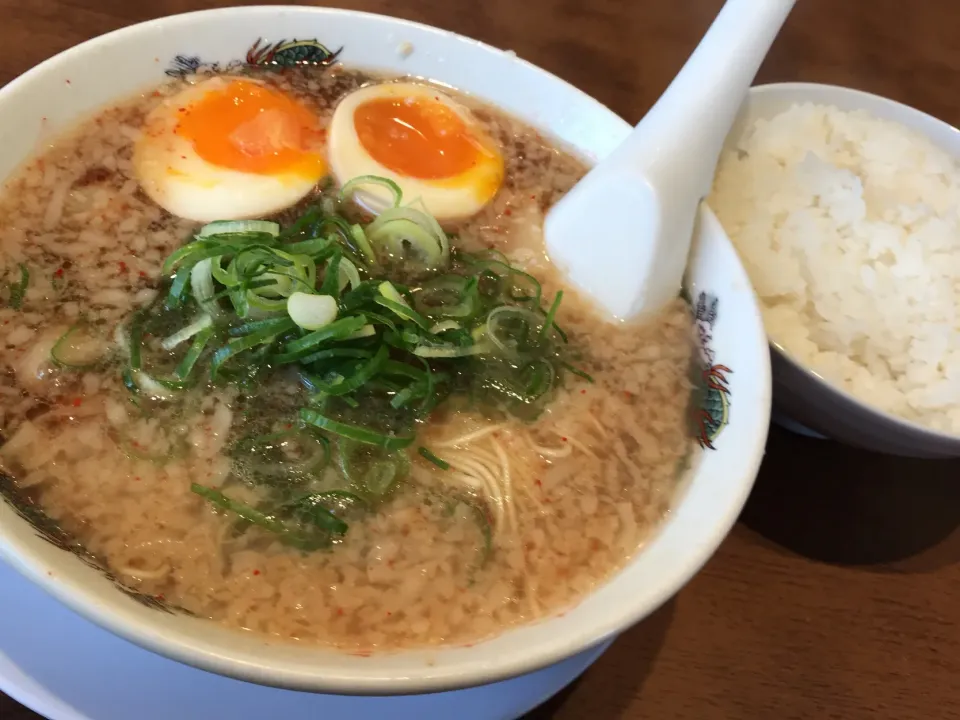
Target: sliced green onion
(197, 347)
(186, 332)
(354, 432)
(255, 517)
(277, 324)
(350, 187)
(380, 477)
(151, 386)
(78, 348)
(348, 274)
(228, 227)
(201, 284)
(243, 510)
(444, 326)
(551, 314)
(18, 291)
(365, 331)
(360, 377)
(449, 296)
(316, 248)
(247, 342)
(334, 353)
(178, 288)
(310, 217)
(128, 382)
(135, 339)
(312, 510)
(363, 245)
(331, 278)
(337, 330)
(513, 329)
(578, 372)
(538, 378)
(425, 350)
(401, 231)
(425, 453)
(391, 299)
(311, 312)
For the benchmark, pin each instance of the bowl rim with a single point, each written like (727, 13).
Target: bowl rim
(223, 660)
(902, 424)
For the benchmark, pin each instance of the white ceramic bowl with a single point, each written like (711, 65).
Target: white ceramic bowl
(735, 417)
(799, 392)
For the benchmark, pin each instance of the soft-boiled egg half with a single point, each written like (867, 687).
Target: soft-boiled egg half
(423, 140)
(229, 148)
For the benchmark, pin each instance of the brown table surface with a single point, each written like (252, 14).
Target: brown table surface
(838, 593)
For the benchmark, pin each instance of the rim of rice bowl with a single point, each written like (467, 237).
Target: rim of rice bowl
(707, 504)
(907, 426)
(771, 100)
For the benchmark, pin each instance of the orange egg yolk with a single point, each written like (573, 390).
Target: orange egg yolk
(253, 129)
(416, 137)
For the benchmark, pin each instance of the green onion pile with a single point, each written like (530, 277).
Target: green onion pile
(378, 324)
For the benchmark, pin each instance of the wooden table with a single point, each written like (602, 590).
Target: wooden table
(838, 593)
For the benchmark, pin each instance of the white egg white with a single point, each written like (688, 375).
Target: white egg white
(447, 199)
(180, 181)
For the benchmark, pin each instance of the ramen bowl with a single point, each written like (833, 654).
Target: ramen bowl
(731, 415)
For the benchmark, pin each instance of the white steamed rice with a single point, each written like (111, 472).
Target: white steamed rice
(849, 227)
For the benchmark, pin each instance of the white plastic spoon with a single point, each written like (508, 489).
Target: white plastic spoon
(622, 234)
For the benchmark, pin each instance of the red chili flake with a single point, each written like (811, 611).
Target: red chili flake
(122, 265)
(533, 197)
(563, 439)
(256, 572)
(183, 157)
(77, 402)
(289, 425)
(627, 393)
(583, 392)
(156, 93)
(68, 82)
(538, 483)
(136, 479)
(181, 109)
(389, 613)
(59, 273)
(160, 597)
(134, 443)
(339, 611)
(142, 274)
(508, 212)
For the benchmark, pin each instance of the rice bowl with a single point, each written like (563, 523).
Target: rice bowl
(843, 206)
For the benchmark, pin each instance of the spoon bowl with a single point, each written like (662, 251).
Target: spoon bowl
(622, 234)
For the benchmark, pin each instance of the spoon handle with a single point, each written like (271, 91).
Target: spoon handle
(677, 143)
